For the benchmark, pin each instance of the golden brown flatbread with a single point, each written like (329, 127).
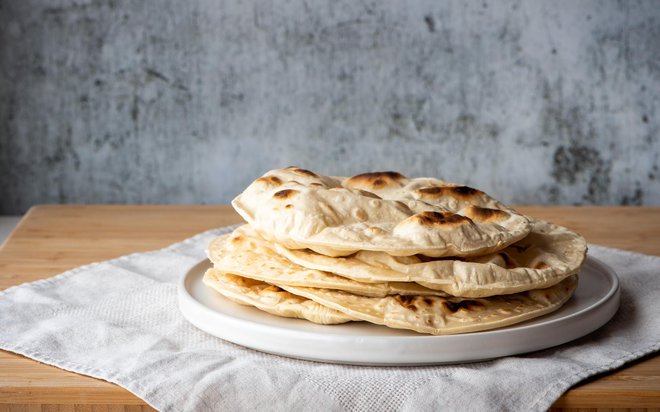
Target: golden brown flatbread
(444, 316)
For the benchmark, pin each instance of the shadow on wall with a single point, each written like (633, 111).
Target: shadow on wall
(113, 102)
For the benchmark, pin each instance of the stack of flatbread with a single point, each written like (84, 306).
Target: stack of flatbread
(419, 254)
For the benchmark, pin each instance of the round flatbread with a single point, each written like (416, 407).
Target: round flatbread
(271, 298)
(549, 254)
(382, 211)
(252, 257)
(444, 316)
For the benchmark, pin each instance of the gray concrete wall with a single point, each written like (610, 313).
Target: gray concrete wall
(188, 101)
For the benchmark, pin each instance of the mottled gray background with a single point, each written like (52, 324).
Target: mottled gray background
(188, 101)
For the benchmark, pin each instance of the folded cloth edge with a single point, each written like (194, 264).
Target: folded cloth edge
(560, 387)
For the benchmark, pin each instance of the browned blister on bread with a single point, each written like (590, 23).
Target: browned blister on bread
(375, 181)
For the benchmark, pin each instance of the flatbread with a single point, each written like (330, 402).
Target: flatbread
(271, 298)
(253, 257)
(381, 211)
(549, 254)
(444, 316)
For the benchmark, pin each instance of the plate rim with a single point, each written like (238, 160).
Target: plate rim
(186, 297)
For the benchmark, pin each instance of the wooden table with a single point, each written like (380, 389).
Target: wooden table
(52, 239)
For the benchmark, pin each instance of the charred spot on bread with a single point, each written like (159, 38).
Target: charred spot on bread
(440, 219)
(270, 180)
(459, 192)
(303, 172)
(376, 180)
(484, 214)
(407, 302)
(541, 265)
(466, 305)
(285, 194)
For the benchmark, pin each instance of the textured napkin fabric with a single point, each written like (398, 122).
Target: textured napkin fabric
(118, 320)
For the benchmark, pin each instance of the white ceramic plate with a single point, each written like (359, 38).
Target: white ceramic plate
(595, 301)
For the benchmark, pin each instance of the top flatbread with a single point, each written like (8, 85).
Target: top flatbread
(382, 211)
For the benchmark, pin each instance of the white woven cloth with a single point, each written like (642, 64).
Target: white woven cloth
(118, 320)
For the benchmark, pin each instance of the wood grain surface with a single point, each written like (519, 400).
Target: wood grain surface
(53, 238)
